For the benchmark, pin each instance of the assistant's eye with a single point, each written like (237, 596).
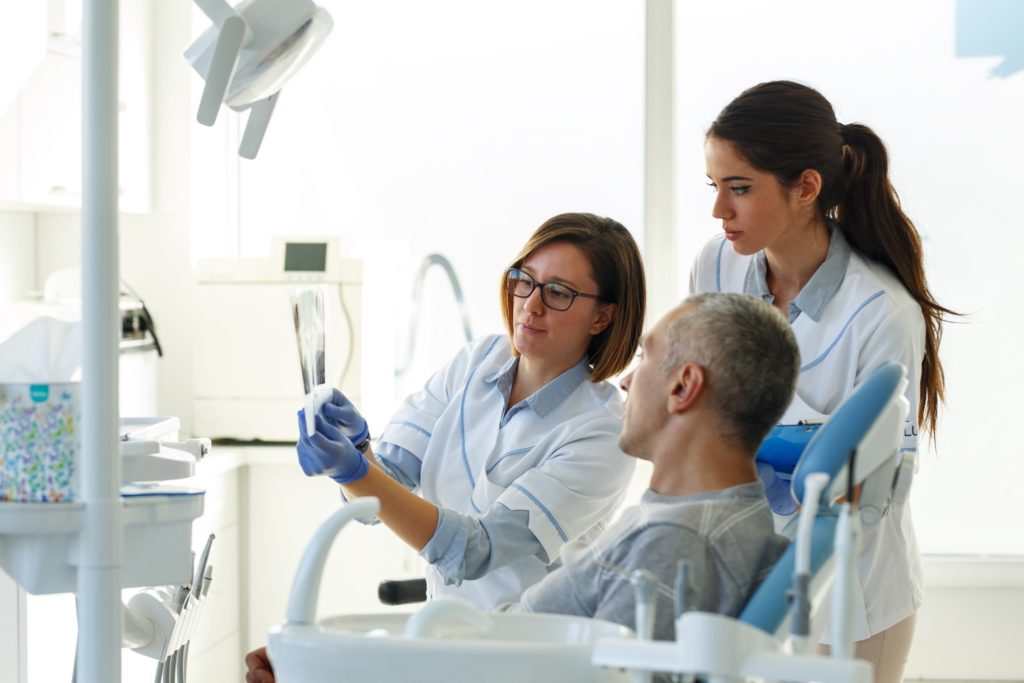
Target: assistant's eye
(739, 189)
(712, 186)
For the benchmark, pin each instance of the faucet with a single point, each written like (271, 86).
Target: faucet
(417, 295)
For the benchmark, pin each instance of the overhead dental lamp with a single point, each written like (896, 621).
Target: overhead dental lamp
(249, 53)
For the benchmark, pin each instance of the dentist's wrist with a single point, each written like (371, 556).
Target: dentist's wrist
(364, 445)
(354, 474)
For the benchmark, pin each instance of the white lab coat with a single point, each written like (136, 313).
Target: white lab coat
(560, 463)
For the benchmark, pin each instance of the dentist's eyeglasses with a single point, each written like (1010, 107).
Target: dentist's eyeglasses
(555, 295)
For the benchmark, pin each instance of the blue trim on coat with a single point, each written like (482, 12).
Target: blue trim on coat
(462, 419)
(411, 425)
(839, 336)
(544, 509)
(510, 454)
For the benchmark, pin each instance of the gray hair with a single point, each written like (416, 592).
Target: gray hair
(749, 356)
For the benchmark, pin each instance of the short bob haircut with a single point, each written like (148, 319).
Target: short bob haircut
(618, 270)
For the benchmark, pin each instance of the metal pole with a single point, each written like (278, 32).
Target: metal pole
(659, 169)
(100, 549)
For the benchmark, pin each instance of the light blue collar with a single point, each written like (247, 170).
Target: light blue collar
(549, 396)
(818, 291)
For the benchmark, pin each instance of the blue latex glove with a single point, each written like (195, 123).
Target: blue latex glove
(777, 490)
(341, 413)
(329, 451)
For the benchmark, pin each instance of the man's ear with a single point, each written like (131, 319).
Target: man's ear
(687, 386)
(604, 318)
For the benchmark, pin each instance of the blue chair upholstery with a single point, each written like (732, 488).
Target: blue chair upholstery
(768, 606)
(828, 452)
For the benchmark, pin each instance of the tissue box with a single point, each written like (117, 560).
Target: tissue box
(40, 427)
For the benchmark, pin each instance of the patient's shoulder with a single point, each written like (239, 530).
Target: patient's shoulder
(657, 545)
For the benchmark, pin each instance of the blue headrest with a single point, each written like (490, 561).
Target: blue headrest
(830, 448)
(827, 452)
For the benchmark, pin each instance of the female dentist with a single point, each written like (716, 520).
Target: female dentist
(513, 444)
(812, 225)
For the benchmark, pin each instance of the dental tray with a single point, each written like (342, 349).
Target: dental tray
(150, 450)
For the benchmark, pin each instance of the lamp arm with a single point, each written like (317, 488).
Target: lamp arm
(256, 126)
(222, 67)
(216, 10)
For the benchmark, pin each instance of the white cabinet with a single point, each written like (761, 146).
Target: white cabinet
(50, 152)
(9, 152)
(41, 132)
(12, 612)
(215, 653)
(134, 108)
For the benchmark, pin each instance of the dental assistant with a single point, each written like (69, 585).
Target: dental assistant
(812, 225)
(512, 446)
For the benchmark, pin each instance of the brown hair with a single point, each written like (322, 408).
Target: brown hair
(785, 128)
(618, 270)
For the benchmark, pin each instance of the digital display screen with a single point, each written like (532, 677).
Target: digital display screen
(305, 256)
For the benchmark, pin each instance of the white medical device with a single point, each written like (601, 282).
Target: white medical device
(247, 381)
(248, 54)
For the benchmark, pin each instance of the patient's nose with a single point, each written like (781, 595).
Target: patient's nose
(626, 381)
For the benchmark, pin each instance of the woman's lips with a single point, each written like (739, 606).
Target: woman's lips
(529, 329)
(732, 235)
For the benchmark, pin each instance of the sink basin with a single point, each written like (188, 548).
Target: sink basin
(538, 648)
(447, 641)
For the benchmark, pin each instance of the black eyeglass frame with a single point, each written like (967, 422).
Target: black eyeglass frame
(523, 275)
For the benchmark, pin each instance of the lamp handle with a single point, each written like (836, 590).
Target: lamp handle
(222, 67)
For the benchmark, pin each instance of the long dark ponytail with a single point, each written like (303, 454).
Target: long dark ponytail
(785, 128)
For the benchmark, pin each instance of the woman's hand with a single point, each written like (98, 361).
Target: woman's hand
(343, 414)
(329, 451)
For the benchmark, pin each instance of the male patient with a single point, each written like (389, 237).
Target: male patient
(714, 375)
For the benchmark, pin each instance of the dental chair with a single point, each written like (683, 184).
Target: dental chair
(450, 640)
(849, 473)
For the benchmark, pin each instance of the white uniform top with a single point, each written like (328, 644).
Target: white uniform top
(850, 318)
(554, 455)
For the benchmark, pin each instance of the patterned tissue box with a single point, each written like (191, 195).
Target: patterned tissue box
(39, 442)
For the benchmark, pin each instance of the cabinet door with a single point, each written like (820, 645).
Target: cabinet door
(47, 123)
(9, 154)
(51, 137)
(134, 93)
(11, 630)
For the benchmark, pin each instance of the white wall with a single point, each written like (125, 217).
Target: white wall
(970, 625)
(17, 256)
